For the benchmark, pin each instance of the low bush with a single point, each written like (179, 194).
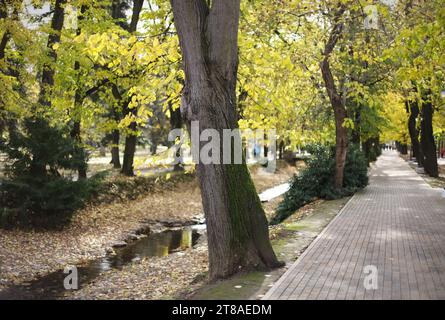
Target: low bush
(317, 179)
(49, 200)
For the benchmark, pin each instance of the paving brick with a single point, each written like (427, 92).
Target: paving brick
(396, 224)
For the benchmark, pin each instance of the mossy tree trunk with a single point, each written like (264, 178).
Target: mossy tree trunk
(238, 236)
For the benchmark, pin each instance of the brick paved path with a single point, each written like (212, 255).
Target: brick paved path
(396, 224)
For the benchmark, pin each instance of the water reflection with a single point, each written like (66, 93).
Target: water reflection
(155, 245)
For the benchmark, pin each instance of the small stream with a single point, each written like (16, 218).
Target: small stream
(154, 245)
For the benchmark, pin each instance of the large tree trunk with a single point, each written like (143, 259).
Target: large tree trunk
(341, 134)
(427, 138)
(131, 139)
(413, 109)
(238, 235)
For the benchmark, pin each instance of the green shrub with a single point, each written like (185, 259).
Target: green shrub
(39, 148)
(46, 200)
(317, 179)
(34, 188)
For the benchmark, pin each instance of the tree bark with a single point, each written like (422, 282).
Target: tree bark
(413, 109)
(341, 134)
(238, 236)
(427, 138)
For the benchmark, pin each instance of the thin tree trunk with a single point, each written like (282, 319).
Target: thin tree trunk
(3, 43)
(427, 138)
(266, 148)
(355, 136)
(115, 134)
(38, 167)
(129, 151)
(341, 139)
(281, 148)
(413, 108)
(47, 80)
(131, 138)
(79, 151)
(115, 158)
(78, 101)
(238, 236)
(6, 34)
(176, 123)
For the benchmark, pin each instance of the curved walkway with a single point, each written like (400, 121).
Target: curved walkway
(390, 236)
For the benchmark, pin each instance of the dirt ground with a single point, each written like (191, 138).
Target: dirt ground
(25, 255)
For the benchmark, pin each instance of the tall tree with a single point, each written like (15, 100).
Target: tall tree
(78, 100)
(131, 138)
(38, 126)
(238, 235)
(337, 101)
